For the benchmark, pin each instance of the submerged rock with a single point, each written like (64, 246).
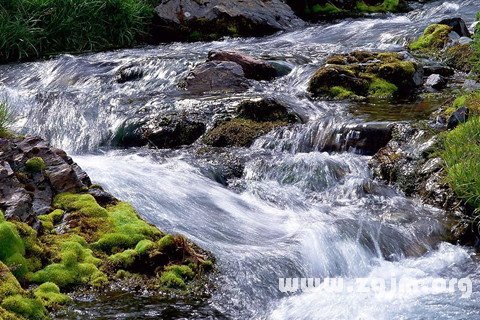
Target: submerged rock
(216, 77)
(165, 131)
(253, 68)
(362, 74)
(208, 20)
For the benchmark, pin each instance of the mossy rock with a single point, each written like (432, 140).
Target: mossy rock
(434, 38)
(363, 74)
(35, 165)
(460, 57)
(325, 10)
(239, 132)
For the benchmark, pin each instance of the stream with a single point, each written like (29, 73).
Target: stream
(295, 212)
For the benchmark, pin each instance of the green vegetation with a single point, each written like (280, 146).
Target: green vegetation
(35, 165)
(35, 28)
(5, 119)
(382, 89)
(385, 6)
(433, 39)
(462, 158)
(96, 244)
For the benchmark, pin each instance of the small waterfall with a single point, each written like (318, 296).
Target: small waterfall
(306, 205)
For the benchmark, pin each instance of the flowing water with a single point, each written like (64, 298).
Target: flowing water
(296, 211)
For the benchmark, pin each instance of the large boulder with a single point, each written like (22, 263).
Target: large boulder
(206, 20)
(253, 68)
(362, 74)
(216, 77)
(31, 173)
(165, 131)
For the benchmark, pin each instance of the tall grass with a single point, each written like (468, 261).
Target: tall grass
(35, 28)
(5, 120)
(462, 157)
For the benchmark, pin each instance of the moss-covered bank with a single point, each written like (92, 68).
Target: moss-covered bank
(86, 239)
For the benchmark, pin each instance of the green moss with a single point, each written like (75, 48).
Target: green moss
(327, 8)
(174, 276)
(460, 57)
(49, 294)
(77, 266)
(144, 246)
(239, 132)
(341, 93)
(385, 6)
(28, 308)
(49, 220)
(12, 250)
(123, 259)
(35, 165)
(434, 37)
(127, 229)
(382, 89)
(82, 203)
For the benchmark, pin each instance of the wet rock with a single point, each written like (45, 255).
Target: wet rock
(216, 77)
(459, 116)
(436, 82)
(254, 119)
(131, 73)
(367, 75)
(457, 25)
(173, 132)
(265, 110)
(442, 70)
(253, 68)
(366, 138)
(101, 196)
(408, 161)
(25, 194)
(208, 20)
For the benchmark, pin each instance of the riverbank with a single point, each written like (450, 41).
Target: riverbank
(60, 233)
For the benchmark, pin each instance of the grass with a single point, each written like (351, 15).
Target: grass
(5, 120)
(35, 28)
(462, 158)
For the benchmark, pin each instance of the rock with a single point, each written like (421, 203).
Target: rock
(444, 71)
(459, 56)
(130, 73)
(322, 9)
(265, 110)
(238, 132)
(254, 119)
(434, 38)
(25, 194)
(436, 81)
(458, 26)
(362, 74)
(208, 20)
(253, 68)
(102, 197)
(216, 76)
(365, 138)
(173, 132)
(408, 161)
(459, 116)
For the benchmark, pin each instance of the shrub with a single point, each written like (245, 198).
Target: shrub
(5, 117)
